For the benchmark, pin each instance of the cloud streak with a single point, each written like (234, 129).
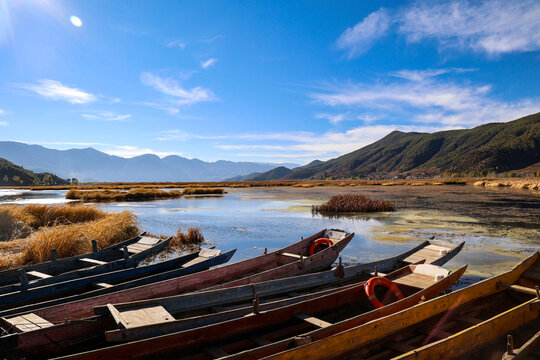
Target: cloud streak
(106, 116)
(55, 90)
(421, 97)
(179, 95)
(490, 27)
(206, 64)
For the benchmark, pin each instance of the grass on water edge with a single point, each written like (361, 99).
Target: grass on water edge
(29, 233)
(349, 203)
(139, 194)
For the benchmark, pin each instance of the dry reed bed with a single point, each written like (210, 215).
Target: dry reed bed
(140, 194)
(531, 184)
(201, 191)
(352, 203)
(33, 230)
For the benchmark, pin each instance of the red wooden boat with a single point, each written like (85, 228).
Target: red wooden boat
(270, 329)
(289, 261)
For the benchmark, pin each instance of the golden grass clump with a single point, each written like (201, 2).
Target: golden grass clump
(139, 194)
(347, 203)
(67, 228)
(70, 240)
(193, 236)
(37, 216)
(199, 191)
(304, 185)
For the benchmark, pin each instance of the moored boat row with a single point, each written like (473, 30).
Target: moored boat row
(285, 305)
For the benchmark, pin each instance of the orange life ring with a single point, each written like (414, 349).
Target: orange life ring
(376, 281)
(321, 241)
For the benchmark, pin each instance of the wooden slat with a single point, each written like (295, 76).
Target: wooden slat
(92, 261)
(290, 255)
(137, 248)
(38, 274)
(313, 320)
(102, 285)
(415, 280)
(28, 322)
(148, 241)
(144, 316)
(522, 289)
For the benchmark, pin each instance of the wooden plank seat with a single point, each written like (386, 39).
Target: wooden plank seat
(38, 274)
(204, 255)
(140, 317)
(144, 243)
(313, 320)
(429, 253)
(92, 262)
(27, 322)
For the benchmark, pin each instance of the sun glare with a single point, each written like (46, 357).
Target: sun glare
(76, 21)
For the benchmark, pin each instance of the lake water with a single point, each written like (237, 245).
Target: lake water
(499, 226)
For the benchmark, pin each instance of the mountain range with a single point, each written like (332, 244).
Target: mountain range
(494, 147)
(88, 165)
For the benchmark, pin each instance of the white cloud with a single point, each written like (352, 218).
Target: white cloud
(180, 96)
(176, 44)
(55, 90)
(492, 27)
(306, 146)
(106, 116)
(4, 123)
(206, 64)
(360, 38)
(132, 151)
(425, 99)
(334, 119)
(2, 112)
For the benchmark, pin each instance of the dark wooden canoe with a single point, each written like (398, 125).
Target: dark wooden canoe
(108, 282)
(328, 314)
(292, 260)
(123, 255)
(47, 340)
(447, 327)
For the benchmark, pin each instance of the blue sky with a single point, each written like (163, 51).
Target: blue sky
(271, 81)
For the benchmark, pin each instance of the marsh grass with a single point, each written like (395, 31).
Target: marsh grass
(350, 203)
(201, 191)
(67, 228)
(140, 194)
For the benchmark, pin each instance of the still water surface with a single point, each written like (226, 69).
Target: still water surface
(252, 219)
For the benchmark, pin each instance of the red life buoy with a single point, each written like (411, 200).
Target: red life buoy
(376, 281)
(319, 242)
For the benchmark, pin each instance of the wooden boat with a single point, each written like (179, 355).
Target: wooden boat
(330, 313)
(447, 327)
(207, 301)
(123, 255)
(108, 282)
(525, 351)
(289, 261)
